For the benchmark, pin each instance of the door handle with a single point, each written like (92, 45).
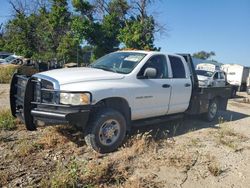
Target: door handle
(165, 85)
(187, 85)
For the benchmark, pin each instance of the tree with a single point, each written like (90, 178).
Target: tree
(103, 33)
(48, 29)
(138, 34)
(139, 29)
(1, 38)
(19, 36)
(204, 55)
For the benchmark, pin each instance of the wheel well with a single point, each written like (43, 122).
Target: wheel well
(119, 104)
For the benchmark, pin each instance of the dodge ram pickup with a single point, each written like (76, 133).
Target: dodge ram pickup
(118, 91)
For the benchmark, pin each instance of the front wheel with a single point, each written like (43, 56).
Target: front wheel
(106, 130)
(212, 110)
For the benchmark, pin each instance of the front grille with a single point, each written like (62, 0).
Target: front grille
(44, 92)
(20, 90)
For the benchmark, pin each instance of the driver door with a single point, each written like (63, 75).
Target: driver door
(151, 97)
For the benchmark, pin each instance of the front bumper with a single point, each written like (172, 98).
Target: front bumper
(61, 115)
(25, 107)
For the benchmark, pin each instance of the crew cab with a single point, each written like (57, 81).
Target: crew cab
(118, 91)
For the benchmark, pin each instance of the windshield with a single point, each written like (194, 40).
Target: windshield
(9, 59)
(120, 62)
(204, 73)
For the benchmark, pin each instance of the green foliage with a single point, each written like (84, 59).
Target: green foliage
(84, 7)
(20, 35)
(7, 121)
(204, 55)
(138, 34)
(119, 7)
(55, 31)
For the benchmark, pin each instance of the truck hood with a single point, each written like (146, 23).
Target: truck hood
(80, 74)
(203, 78)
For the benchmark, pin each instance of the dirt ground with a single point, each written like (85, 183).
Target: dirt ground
(4, 96)
(181, 153)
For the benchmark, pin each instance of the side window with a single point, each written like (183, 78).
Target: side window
(159, 63)
(177, 67)
(216, 76)
(222, 75)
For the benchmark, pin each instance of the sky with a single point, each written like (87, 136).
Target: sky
(222, 26)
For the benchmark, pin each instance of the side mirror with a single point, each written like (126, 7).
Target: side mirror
(150, 72)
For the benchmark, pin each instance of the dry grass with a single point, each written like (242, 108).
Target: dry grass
(64, 176)
(7, 121)
(246, 100)
(213, 166)
(214, 169)
(3, 178)
(195, 142)
(51, 138)
(105, 171)
(228, 137)
(6, 72)
(146, 182)
(25, 147)
(182, 159)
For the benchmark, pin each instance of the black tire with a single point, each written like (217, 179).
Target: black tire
(212, 111)
(233, 93)
(105, 120)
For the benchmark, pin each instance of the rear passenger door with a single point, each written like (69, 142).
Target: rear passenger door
(181, 85)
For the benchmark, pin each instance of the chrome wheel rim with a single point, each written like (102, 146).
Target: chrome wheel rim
(109, 132)
(213, 110)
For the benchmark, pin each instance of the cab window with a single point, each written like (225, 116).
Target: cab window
(222, 75)
(177, 67)
(159, 63)
(216, 76)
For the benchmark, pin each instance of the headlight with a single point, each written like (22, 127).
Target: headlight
(75, 98)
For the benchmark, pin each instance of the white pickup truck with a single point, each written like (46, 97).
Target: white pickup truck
(119, 90)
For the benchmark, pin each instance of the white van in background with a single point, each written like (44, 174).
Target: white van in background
(236, 76)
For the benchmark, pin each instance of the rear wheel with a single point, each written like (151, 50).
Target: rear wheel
(212, 110)
(106, 130)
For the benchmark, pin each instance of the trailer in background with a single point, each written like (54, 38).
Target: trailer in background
(236, 76)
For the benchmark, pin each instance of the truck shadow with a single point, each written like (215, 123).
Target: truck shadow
(185, 125)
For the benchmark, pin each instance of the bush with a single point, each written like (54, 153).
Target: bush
(6, 72)
(7, 121)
